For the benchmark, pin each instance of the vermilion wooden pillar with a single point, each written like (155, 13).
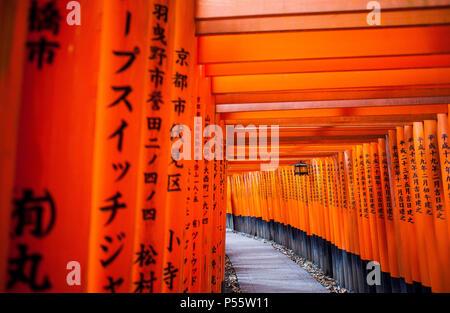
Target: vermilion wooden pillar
(53, 175)
(424, 214)
(438, 207)
(13, 23)
(390, 224)
(120, 100)
(444, 153)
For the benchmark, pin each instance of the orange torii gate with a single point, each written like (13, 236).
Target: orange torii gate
(90, 113)
(96, 188)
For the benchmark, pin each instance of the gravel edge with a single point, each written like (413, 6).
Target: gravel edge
(231, 279)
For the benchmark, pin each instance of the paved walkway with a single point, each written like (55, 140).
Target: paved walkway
(262, 269)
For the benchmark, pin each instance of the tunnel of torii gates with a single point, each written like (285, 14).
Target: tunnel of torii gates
(92, 199)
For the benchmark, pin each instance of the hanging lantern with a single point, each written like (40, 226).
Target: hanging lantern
(301, 169)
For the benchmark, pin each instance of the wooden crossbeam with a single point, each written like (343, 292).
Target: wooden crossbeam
(334, 94)
(354, 112)
(207, 9)
(270, 106)
(324, 44)
(379, 120)
(346, 79)
(328, 65)
(411, 17)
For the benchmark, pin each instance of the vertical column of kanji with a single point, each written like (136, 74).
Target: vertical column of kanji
(13, 31)
(223, 191)
(395, 177)
(368, 252)
(306, 195)
(334, 218)
(353, 232)
(279, 189)
(292, 198)
(120, 99)
(222, 216)
(297, 202)
(186, 233)
(340, 186)
(208, 203)
(371, 200)
(235, 199)
(196, 239)
(312, 198)
(301, 193)
(346, 235)
(316, 205)
(284, 195)
(291, 210)
(437, 200)
(317, 209)
(267, 201)
(307, 198)
(353, 212)
(243, 194)
(192, 206)
(214, 204)
(343, 187)
(259, 202)
(254, 194)
(229, 204)
(425, 214)
(327, 200)
(181, 72)
(308, 180)
(265, 208)
(359, 203)
(215, 217)
(390, 226)
(444, 153)
(318, 198)
(271, 197)
(236, 193)
(323, 200)
(342, 231)
(206, 207)
(289, 213)
(380, 207)
(418, 260)
(217, 227)
(49, 220)
(277, 195)
(405, 207)
(150, 231)
(332, 203)
(263, 189)
(402, 253)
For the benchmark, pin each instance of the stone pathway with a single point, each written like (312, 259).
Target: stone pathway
(262, 269)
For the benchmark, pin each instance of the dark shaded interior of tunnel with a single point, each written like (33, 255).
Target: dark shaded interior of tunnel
(347, 268)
